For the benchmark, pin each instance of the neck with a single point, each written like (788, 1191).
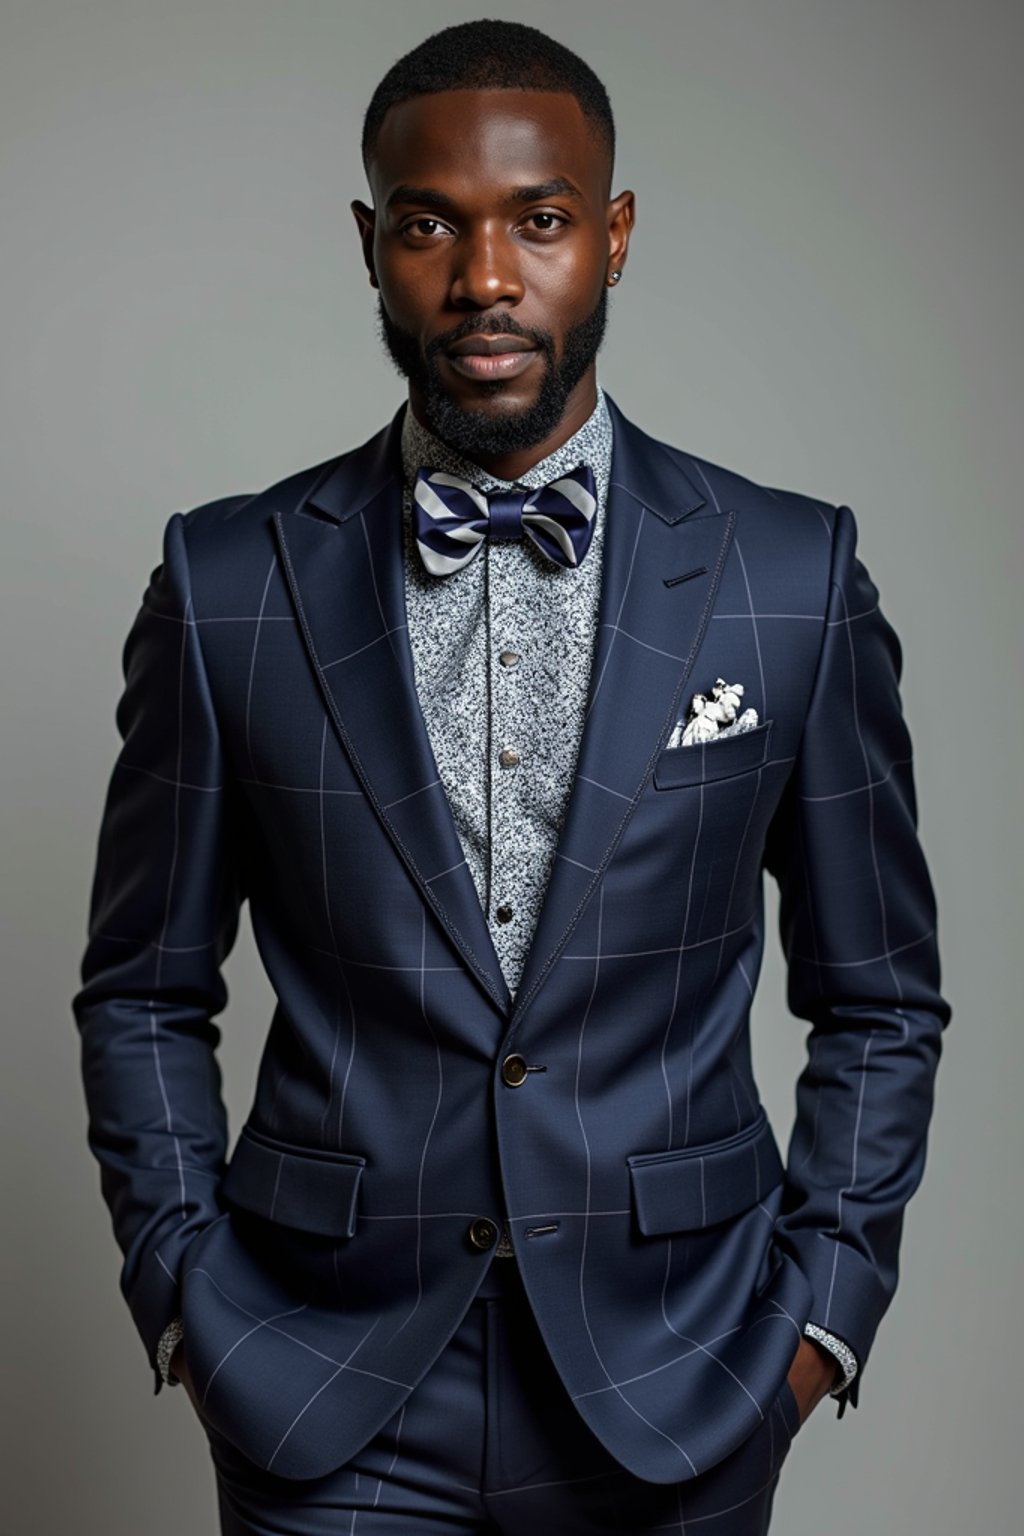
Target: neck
(509, 466)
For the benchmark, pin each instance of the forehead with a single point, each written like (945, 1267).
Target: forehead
(487, 141)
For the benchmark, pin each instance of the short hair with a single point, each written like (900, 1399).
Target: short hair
(490, 55)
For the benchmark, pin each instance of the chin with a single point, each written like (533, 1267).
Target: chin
(494, 422)
(497, 399)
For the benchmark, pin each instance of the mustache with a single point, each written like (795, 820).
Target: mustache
(489, 325)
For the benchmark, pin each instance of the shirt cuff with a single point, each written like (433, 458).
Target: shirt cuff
(842, 1351)
(166, 1345)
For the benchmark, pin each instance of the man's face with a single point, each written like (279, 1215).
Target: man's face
(491, 243)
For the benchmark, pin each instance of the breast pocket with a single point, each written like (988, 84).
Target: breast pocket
(709, 761)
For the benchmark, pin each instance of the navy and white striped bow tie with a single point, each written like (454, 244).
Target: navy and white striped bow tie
(452, 518)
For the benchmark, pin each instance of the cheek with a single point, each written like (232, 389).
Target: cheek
(412, 291)
(568, 280)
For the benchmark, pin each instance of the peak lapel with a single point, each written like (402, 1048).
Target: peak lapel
(649, 629)
(344, 569)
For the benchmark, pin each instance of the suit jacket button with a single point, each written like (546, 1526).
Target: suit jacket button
(513, 1070)
(483, 1233)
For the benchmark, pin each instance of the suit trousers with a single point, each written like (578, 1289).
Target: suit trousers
(489, 1442)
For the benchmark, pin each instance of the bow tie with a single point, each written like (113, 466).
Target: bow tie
(452, 518)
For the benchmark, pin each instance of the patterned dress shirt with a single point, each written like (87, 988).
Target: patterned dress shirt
(502, 652)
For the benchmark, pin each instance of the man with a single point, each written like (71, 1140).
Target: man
(496, 722)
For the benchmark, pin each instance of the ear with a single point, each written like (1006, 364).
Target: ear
(366, 222)
(621, 217)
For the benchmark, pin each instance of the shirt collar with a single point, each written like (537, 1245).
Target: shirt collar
(589, 443)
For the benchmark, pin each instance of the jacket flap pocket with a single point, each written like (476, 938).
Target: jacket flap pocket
(693, 1187)
(297, 1186)
(709, 760)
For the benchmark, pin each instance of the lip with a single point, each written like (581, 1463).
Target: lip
(482, 345)
(491, 357)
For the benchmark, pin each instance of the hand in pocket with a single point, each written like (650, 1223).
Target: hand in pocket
(181, 1370)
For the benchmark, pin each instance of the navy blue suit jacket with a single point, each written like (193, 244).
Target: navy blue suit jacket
(274, 751)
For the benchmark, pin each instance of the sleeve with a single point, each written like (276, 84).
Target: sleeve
(163, 915)
(858, 927)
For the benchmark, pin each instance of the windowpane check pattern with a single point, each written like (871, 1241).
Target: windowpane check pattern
(275, 750)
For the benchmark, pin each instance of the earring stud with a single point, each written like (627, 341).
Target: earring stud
(615, 277)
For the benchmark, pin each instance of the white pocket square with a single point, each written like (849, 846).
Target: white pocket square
(713, 716)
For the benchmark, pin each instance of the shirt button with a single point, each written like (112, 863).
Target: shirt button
(513, 1071)
(483, 1233)
(509, 658)
(508, 757)
(504, 913)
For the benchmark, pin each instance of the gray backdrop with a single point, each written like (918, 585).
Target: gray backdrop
(823, 293)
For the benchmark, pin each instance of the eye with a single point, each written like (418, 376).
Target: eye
(422, 228)
(546, 222)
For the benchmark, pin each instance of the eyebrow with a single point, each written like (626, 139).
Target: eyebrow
(558, 186)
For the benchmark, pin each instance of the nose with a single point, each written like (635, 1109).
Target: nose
(486, 271)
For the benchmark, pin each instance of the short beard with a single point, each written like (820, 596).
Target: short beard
(473, 432)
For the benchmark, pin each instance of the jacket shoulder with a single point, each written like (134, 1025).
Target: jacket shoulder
(732, 491)
(784, 540)
(335, 486)
(230, 543)
(236, 514)
(701, 485)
